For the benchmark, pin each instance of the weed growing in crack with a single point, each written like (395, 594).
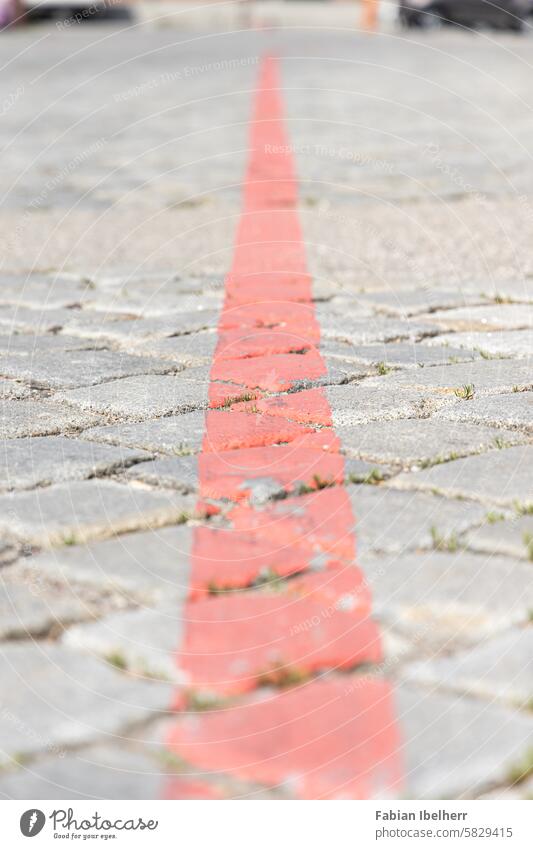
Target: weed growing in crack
(522, 770)
(465, 392)
(442, 543)
(117, 659)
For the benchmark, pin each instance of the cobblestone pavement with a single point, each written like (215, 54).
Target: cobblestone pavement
(125, 155)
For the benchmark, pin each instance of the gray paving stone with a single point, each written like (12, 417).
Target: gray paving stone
(9, 389)
(511, 410)
(142, 328)
(497, 477)
(157, 283)
(81, 368)
(443, 599)
(456, 746)
(498, 669)
(360, 403)
(34, 610)
(488, 377)
(513, 537)
(43, 291)
(38, 461)
(504, 343)
(170, 435)
(39, 321)
(156, 304)
(39, 418)
(389, 520)
(179, 473)
(366, 330)
(504, 316)
(409, 442)
(96, 772)
(398, 354)
(141, 397)
(359, 471)
(53, 698)
(518, 290)
(407, 302)
(146, 566)
(144, 641)
(83, 510)
(31, 344)
(191, 349)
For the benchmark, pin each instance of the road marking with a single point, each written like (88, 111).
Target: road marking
(303, 605)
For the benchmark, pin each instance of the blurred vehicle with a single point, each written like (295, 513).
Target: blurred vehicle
(497, 14)
(75, 11)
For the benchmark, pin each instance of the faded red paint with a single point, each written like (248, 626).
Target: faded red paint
(329, 739)
(226, 431)
(332, 738)
(318, 621)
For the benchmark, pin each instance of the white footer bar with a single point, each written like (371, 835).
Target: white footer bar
(267, 824)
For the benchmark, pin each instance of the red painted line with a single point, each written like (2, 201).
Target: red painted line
(332, 737)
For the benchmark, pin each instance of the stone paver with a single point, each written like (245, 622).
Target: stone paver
(361, 403)
(96, 772)
(443, 598)
(498, 343)
(38, 461)
(399, 354)
(31, 344)
(32, 609)
(79, 511)
(194, 349)
(9, 389)
(41, 417)
(498, 477)
(488, 377)
(140, 397)
(499, 669)
(406, 302)
(81, 368)
(143, 641)
(512, 410)
(146, 566)
(52, 701)
(388, 520)
(365, 331)
(181, 434)
(411, 442)
(112, 327)
(38, 290)
(504, 316)
(456, 745)
(179, 473)
(513, 537)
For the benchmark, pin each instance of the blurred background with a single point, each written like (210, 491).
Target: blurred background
(421, 14)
